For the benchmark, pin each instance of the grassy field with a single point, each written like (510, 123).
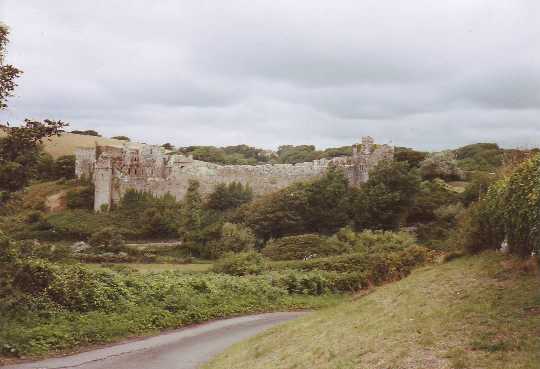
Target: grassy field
(68, 142)
(147, 268)
(474, 312)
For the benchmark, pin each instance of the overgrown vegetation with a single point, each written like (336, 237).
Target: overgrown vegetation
(46, 306)
(474, 312)
(508, 210)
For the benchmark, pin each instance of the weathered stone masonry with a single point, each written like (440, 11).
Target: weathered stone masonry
(114, 170)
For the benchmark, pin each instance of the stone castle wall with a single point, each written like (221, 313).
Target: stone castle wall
(149, 168)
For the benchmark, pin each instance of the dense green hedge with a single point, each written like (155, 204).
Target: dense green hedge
(376, 263)
(303, 246)
(510, 209)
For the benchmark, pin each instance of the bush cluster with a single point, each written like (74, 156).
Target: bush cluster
(509, 210)
(302, 247)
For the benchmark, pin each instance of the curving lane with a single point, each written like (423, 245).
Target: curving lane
(186, 348)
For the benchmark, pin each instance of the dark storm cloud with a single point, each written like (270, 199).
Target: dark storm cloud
(421, 73)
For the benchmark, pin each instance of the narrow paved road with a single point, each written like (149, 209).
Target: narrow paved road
(185, 348)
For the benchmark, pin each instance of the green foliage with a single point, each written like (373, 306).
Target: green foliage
(290, 154)
(64, 167)
(371, 268)
(237, 155)
(81, 197)
(46, 306)
(522, 208)
(279, 213)
(229, 196)
(318, 206)
(160, 223)
(482, 226)
(234, 238)
(384, 201)
(20, 152)
(306, 283)
(510, 209)
(441, 165)
(302, 246)
(432, 195)
(89, 132)
(240, 264)
(477, 187)
(8, 73)
(412, 157)
(369, 241)
(192, 214)
(121, 138)
(328, 202)
(107, 240)
(486, 157)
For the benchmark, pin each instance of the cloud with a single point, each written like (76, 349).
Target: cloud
(423, 74)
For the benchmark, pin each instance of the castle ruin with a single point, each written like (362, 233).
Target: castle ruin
(116, 169)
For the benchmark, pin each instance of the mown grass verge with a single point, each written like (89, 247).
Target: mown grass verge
(473, 312)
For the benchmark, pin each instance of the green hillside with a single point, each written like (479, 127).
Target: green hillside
(475, 312)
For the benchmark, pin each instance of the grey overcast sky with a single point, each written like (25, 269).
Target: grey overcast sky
(420, 73)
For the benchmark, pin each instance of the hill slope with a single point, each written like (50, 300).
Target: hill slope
(474, 312)
(68, 142)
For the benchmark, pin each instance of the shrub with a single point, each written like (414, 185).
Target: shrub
(441, 165)
(34, 217)
(306, 283)
(81, 198)
(384, 201)
(234, 238)
(229, 196)
(107, 239)
(481, 227)
(302, 246)
(382, 241)
(522, 208)
(244, 263)
(376, 267)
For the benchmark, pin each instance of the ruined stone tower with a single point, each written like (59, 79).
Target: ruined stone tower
(149, 168)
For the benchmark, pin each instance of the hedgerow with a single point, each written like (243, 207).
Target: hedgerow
(47, 306)
(510, 209)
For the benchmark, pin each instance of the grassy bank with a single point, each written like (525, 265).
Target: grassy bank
(474, 312)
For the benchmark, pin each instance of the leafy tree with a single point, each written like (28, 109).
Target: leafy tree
(108, 239)
(290, 154)
(485, 157)
(8, 73)
(384, 201)
(431, 196)
(240, 264)
(159, 223)
(20, 152)
(278, 214)
(413, 157)
(328, 202)
(168, 146)
(121, 138)
(234, 238)
(89, 132)
(229, 196)
(81, 198)
(441, 165)
(478, 186)
(303, 246)
(64, 167)
(45, 167)
(191, 220)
